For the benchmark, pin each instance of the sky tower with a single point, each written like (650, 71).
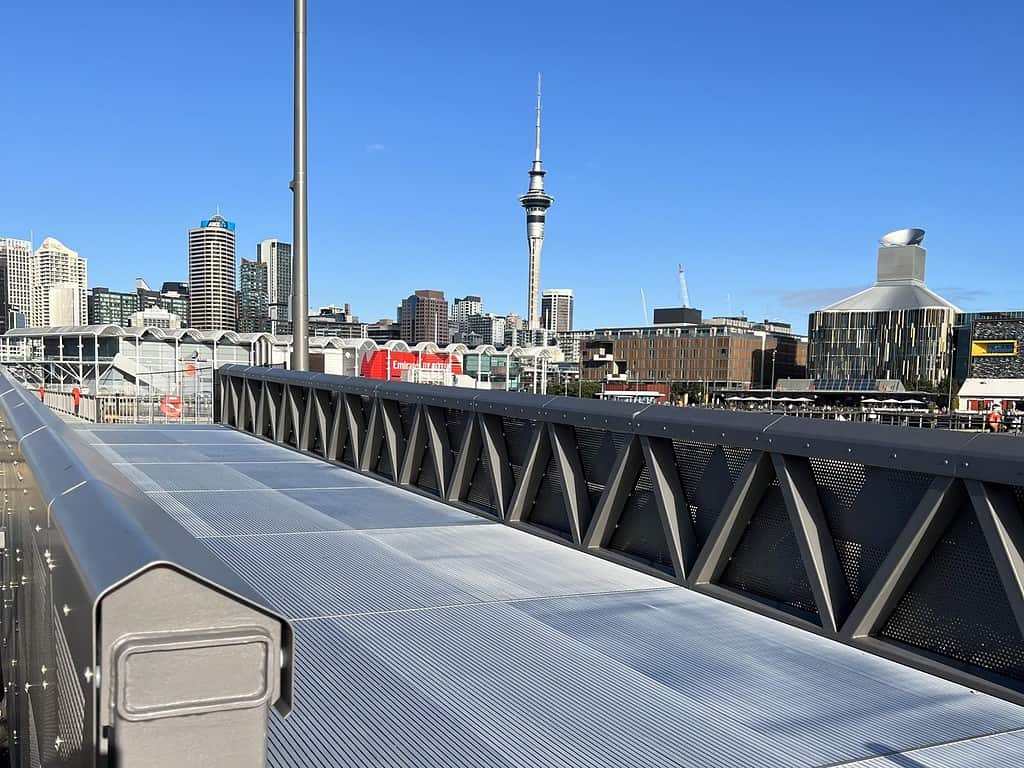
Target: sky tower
(536, 202)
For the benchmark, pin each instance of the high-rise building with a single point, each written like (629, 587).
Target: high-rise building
(211, 275)
(463, 309)
(486, 329)
(278, 258)
(58, 278)
(172, 297)
(107, 307)
(15, 282)
(424, 317)
(253, 313)
(556, 309)
(536, 202)
(896, 329)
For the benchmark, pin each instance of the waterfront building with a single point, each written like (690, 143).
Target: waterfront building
(896, 329)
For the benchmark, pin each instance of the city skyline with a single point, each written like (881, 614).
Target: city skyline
(724, 166)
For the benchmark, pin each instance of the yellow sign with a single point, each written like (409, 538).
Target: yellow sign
(994, 348)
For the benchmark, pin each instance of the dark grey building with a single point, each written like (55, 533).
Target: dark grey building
(107, 307)
(253, 297)
(997, 346)
(674, 315)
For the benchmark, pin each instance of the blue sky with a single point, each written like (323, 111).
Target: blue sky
(765, 145)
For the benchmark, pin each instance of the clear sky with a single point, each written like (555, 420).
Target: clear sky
(766, 145)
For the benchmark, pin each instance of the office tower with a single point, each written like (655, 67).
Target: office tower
(107, 307)
(277, 257)
(424, 317)
(536, 202)
(58, 279)
(486, 329)
(211, 275)
(463, 309)
(15, 282)
(556, 309)
(253, 312)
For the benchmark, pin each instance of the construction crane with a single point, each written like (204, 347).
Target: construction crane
(684, 294)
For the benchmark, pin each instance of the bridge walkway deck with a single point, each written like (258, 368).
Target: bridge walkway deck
(427, 636)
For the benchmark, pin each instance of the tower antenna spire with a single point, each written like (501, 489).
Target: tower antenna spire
(536, 157)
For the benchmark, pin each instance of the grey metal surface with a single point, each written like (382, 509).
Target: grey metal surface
(99, 584)
(432, 637)
(909, 546)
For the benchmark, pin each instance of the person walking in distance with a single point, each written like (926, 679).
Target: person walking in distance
(994, 420)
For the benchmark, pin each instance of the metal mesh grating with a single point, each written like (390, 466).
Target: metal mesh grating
(956, 606)
(426, 478)
(406, 414)
(767, 561)
(481, 491)
(455, 423)
(866, 508)
(597, 451)
(639, 533)
(382, 463)
(517, 434)
(70, 696)
(707, 480)
(735, 459)
(548, 508)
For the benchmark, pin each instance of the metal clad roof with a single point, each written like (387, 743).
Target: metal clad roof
(431, 637)
(882, 298)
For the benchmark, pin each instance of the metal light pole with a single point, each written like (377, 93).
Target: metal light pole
(300, 233)
(771, 394)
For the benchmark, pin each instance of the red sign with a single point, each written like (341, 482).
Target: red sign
(170, 406)
(375, 366)
(190, 369)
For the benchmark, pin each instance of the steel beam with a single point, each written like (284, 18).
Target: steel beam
(491, 433)
(672, 504)
(932, 517)
(739, 507)
(814, 539)
(1000, 519)
(574, 485)
(537, 457)
(617, 487)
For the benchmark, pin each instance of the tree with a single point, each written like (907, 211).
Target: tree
(586, 389)
(693, 391)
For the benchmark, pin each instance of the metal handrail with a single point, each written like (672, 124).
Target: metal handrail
(97, 575)
(907, 543)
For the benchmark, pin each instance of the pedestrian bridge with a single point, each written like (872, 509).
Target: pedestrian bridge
(416, 576)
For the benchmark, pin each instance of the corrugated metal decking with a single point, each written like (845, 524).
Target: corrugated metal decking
(430, 637)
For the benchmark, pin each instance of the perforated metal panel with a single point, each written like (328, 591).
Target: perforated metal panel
(640, 533)
(597, 451)
(548, 510)
(481, 491)
(767, 561)
(957, 607)
(707, 482)
(866, 508)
